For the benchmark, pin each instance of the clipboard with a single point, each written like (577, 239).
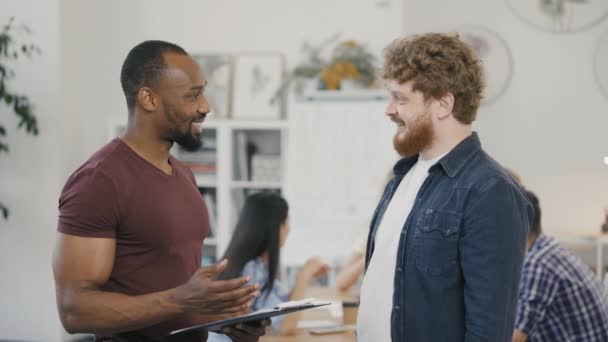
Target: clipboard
(281, 309)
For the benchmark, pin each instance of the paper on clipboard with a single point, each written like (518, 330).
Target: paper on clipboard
(281, 309)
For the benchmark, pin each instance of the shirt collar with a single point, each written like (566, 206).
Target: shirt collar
(451, 163)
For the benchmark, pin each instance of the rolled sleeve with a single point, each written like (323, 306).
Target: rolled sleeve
(537, 291)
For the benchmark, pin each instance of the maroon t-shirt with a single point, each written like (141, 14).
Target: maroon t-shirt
(159, 222)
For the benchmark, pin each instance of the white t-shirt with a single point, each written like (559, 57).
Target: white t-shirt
(374, 319)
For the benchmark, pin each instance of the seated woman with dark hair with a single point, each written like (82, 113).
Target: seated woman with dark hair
(254, 251)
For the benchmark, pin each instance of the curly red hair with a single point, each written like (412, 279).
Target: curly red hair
(438, 64)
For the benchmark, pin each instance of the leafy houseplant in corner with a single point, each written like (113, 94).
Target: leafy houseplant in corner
(19, 104)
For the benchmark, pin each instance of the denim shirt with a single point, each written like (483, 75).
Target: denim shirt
(460, 252)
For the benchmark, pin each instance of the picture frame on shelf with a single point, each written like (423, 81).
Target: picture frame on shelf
(218, 72)
(257, 76)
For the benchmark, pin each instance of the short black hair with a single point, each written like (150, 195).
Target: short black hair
(536, 227)
(143, 66)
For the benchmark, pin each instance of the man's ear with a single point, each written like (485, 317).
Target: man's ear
(444, 106)
(147, 99)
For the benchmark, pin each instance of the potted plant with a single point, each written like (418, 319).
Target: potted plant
(349, 65)
(11, 50)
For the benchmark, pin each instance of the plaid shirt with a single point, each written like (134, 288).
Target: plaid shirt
(560, 299)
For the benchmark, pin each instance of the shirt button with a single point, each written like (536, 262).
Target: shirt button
(398, 269)
(396, 307)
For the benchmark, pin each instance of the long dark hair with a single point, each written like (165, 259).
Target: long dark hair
(257, 231)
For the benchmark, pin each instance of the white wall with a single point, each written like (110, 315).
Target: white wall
(339, 157)
(550, 125)
(29, 184)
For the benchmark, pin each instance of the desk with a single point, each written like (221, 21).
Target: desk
(317, 314)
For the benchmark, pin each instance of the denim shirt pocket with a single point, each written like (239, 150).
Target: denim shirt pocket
(436, 242)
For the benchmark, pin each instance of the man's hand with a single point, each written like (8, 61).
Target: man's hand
(315, 268)
(519, 336)
(246, 332)
(202, 294)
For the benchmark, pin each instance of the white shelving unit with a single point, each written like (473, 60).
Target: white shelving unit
(232, 181)
(267, 138)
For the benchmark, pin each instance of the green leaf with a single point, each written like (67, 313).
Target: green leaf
(12, 48)
(4, 211)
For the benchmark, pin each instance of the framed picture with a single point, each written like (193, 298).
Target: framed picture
(257, 78)
(217, 70)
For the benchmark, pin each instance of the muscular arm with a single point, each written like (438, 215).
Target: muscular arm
(81, 265)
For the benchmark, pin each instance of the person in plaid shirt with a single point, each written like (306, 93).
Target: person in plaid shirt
(560, 299)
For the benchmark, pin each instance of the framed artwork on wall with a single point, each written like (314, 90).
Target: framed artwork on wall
(257, 78)
(217, 70)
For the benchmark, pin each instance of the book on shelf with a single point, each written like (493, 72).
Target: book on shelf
(210, 199)
(212, 209)
(209, 142)
(240, 170)
(266, 168)
(202, 168)
(200, 157)
(244, 152)
(208, 179)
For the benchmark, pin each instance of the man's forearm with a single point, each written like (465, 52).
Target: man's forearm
(351, 273)
(95, 311)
